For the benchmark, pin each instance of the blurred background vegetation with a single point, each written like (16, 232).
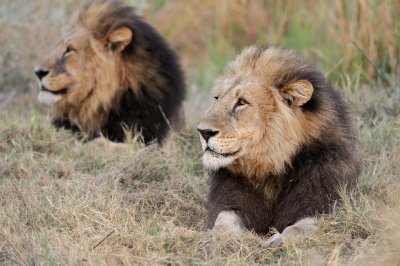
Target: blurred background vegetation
(358, 38)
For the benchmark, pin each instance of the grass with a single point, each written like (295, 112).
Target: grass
(63, 202)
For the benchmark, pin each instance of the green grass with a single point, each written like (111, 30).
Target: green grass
(60, 198)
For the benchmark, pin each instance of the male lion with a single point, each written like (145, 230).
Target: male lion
(113, 73)
(280, 143)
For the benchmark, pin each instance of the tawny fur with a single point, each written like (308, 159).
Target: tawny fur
(276, 143)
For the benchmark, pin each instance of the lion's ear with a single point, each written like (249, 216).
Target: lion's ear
(119, 39)
(298, 92)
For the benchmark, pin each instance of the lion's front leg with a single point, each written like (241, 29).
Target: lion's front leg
(229, 221)
(298, 231)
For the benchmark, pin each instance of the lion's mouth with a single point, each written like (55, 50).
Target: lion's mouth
(59, 92)
(217, 154)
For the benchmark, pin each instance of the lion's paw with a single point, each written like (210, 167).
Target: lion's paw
(275, 240)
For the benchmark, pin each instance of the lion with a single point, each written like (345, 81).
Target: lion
(111, 75)
(280, 144)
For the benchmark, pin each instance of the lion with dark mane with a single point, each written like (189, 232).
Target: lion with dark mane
(113, 74)
(280, 143)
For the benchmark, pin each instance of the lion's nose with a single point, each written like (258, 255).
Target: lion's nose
(41, 73)
(207, 133)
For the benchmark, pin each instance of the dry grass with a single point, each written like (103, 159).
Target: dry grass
(59, 199)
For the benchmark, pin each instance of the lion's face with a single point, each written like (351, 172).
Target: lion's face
(79, 65)
(63, 72)
(253, 127)
(231, 127)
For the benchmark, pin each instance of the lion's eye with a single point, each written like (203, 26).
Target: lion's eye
(241, 102)
(68, 50)
(216, 97)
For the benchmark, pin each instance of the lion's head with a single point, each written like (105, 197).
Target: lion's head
(84, 74)
(265, 109)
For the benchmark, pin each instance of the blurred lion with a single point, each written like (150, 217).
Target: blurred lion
(280, 143)
(111, 75)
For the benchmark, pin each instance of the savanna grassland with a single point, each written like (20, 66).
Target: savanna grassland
(67, 203)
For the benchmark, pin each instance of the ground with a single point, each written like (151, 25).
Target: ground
(67, 203)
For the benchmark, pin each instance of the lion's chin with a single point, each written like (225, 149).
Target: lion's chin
(213, 161)
(48, 98)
